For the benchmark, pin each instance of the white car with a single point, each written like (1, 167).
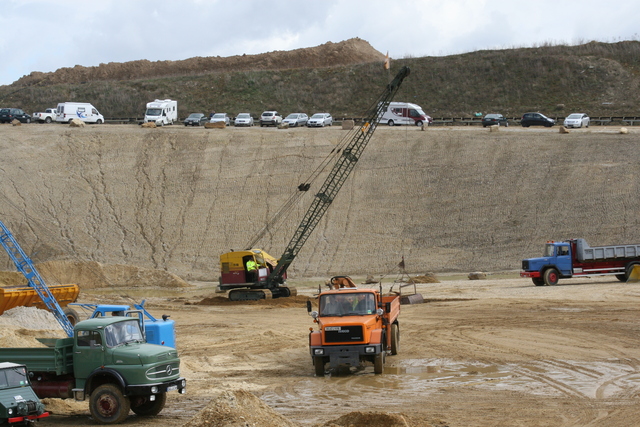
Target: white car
(270, 118)
(296, 119)
(576, 120)
(220, 117)
(320, 120)
(243, 119)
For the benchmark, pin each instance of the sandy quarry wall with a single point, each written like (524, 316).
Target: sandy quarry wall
(447, 199)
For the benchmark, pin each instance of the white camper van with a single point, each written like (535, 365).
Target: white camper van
(67, 111)
(162, 112)
(404, 113)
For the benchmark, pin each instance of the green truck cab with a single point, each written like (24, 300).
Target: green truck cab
(107, 361)
(18, 402)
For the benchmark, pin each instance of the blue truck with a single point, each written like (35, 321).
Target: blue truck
(575, 258)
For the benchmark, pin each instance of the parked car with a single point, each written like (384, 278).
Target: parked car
(220, 117)
(49, 115)
(7, 115)
(243, 119)
(270, 118)
(320, 120)
(195, 119)
(296, 119)
(576, 120)
(536, 119)
(494, 119)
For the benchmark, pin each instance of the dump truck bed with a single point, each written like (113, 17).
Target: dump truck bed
(584, 252)
(27, 296)
(56, 358)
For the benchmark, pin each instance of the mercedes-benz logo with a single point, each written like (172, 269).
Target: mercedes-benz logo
(168, 370)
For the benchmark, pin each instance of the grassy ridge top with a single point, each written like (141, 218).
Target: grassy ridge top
(600, 79)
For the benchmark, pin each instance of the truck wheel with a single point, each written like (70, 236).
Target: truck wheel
(551, 277)
(108, 405)
(72, 315)
(419, 123)
(395, 339)
(142, 406)
(318, 363)
(47, 120)
(390, 123)
(627, 272)
(378, 363)
(538, 281)
(99, 121)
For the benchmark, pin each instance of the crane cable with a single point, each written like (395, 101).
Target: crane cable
(289, 204)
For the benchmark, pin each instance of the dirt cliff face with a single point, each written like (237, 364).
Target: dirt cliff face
(352, 51)
(175, 198)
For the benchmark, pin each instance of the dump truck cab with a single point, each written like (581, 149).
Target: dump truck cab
(18, 402)
(354, 326)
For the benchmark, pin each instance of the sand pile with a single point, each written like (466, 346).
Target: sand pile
(90, 275)
(370, 419)
(20, 326)
(238, 408)
(297, 301)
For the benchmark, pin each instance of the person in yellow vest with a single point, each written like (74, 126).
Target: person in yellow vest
(252, 270)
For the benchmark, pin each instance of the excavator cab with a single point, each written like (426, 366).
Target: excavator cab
(235, 270)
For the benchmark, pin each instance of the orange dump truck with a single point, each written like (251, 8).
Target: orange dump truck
(354, 326)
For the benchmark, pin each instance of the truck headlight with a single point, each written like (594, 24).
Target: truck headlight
(318, 351)
(10, 411)
(154, 389)
(369, 350)
(184, 383)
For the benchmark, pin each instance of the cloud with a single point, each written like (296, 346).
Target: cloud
(64, 33)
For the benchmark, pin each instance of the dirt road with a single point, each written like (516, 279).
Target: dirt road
(497, 352)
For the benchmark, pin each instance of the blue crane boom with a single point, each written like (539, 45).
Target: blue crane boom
(25, 266)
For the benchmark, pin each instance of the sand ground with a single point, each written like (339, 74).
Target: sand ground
(495, 352)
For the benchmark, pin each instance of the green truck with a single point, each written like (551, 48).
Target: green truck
(19, 404)
(107, 361)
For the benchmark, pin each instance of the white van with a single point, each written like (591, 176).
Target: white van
(67, 111)
(404, 113)
(161, 112)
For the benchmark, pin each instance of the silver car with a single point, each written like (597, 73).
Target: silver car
(320, 120)
(296, 119)
(243, 119)
(576, 120)
(220, 117)
(270, 118)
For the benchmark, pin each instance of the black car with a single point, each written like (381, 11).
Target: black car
(196, 119)
(536, 119)
(494, 119)
(7, 115)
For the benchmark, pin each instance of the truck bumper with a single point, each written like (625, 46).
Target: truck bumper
(531, 274)
(147, 389)
(345, 355)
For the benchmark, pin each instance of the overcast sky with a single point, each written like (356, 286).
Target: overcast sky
(44, 35)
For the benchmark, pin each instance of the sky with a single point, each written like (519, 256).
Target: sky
(44, 35)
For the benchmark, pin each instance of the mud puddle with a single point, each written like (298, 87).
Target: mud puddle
(410, 381)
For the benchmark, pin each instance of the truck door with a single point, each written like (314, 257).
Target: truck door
(88, 353)
(563, 259)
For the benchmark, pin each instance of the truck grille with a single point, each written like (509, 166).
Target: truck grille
(344, 334)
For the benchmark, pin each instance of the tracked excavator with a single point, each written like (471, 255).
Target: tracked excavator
(252, 274)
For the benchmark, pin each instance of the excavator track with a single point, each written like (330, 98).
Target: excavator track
(249, 294)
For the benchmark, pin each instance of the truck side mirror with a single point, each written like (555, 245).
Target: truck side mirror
(308, 306)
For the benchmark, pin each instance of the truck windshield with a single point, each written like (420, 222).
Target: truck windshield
(13, 377)
(154, 111)
(122, 333)
(549, 250)
(351, 304)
